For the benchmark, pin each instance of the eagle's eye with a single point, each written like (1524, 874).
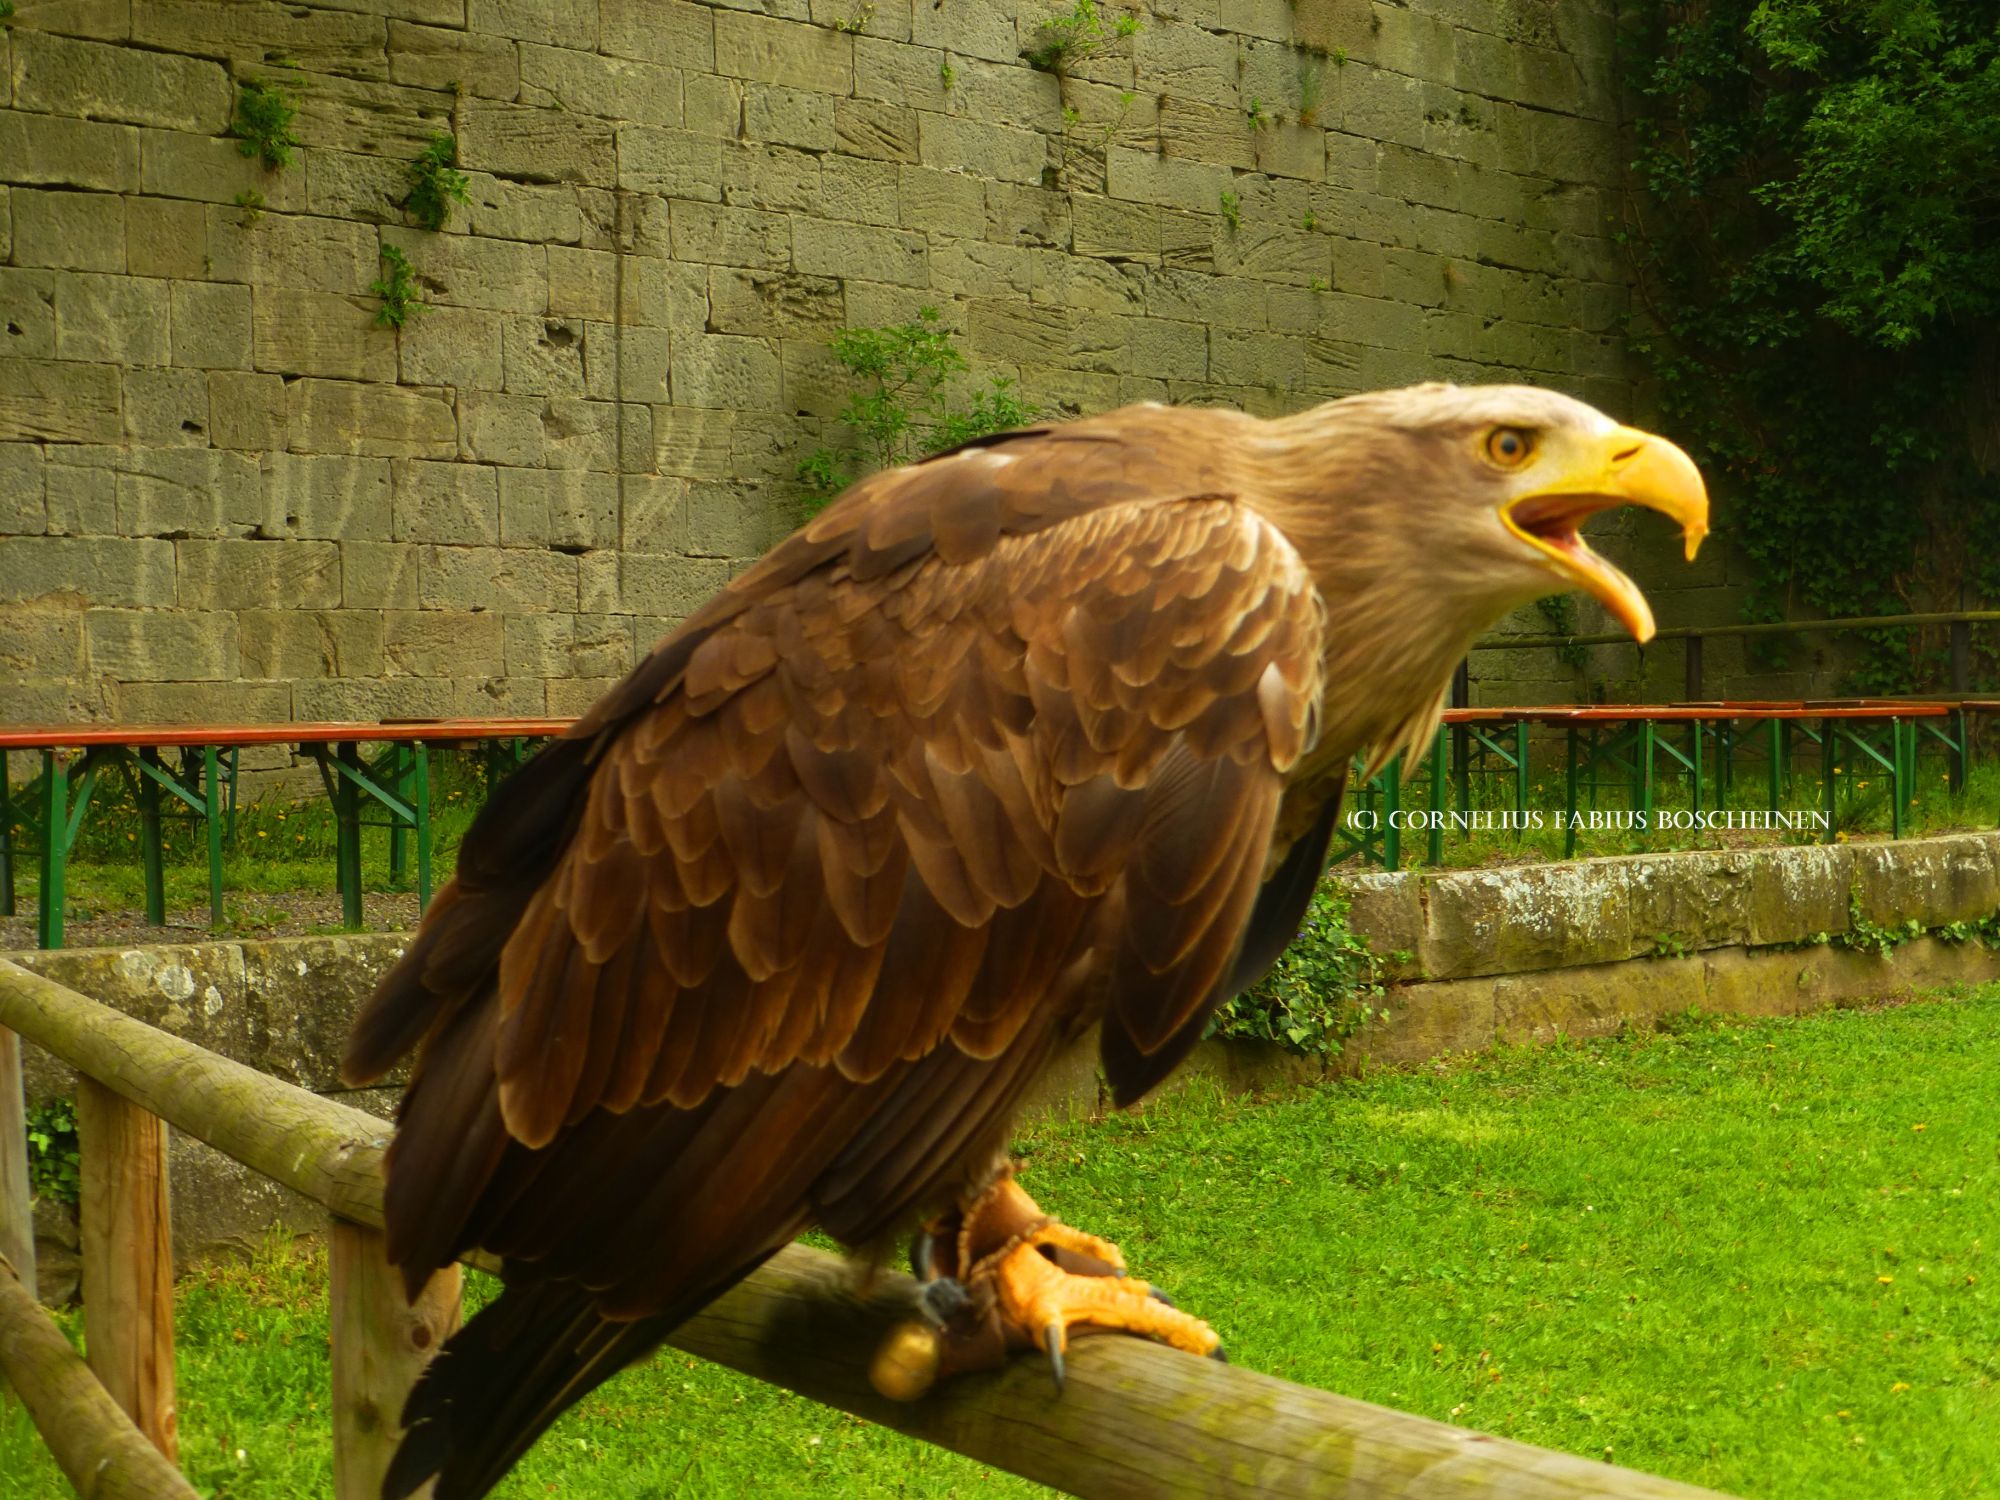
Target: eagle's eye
(1509, 447)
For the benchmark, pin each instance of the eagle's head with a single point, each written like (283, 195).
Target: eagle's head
(1489, 485)
(1427, 513)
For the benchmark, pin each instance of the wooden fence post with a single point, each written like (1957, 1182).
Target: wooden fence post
(380, 1345)
(17, 1214)
(128, 1259)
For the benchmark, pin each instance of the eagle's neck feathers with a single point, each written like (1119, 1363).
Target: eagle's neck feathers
(1401, 609)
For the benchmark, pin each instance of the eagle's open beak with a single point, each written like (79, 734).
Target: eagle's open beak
(1622, 467)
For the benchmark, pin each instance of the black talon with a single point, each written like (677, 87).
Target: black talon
(1160, 1296)
(920, 1256)
(1052, 1338)
(1218, 1356)
(943, 1299)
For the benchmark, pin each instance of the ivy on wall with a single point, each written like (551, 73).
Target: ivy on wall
(1817, 238)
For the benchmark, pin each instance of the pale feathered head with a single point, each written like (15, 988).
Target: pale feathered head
(1489, 484)
(1426, 514)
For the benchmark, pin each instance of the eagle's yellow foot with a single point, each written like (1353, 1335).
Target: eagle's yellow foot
(999, 1276)
(1038, 1297)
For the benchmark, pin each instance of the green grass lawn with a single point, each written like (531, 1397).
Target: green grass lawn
(1754, 1257)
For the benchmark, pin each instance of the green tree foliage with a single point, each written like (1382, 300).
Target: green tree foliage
(1819, 264)
(912, 401)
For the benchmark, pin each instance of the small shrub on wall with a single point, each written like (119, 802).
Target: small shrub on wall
(914, 399)
(263, 122)
(1322, 990)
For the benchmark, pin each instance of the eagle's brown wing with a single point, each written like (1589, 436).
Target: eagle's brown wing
(787, 926)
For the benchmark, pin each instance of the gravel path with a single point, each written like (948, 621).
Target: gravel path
(260, 915)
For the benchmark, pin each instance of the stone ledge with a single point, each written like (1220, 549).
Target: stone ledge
(1463, 1015)
(1527, 918)
(1435, 1019)
(281, 1005)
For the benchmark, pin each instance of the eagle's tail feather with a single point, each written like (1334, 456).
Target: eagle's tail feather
(502, 1379)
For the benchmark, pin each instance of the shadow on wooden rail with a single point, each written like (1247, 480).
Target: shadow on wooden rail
(1135, 1419)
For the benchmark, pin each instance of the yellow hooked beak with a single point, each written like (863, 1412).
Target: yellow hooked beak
(1621, 467)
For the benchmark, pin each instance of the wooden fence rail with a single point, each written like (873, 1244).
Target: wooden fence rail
(1134, 1420)
(94, 1442)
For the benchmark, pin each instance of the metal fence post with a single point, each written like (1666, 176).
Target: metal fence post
(212, 816)
(55, 850)
(151, 856)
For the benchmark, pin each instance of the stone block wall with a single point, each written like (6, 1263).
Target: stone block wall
(227, 492)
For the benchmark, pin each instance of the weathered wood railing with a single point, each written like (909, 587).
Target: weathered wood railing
(1135, 1419)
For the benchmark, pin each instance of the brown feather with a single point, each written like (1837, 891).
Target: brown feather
(768, 928)
(844, 783)
(757, 841)
(690, 940)
(1096, 829)
(650, 991)
(606, 898)
(541, 1045)
(721, 1055)
(611, 1003)
(836, 993)
(929, 964)
(862, 868)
